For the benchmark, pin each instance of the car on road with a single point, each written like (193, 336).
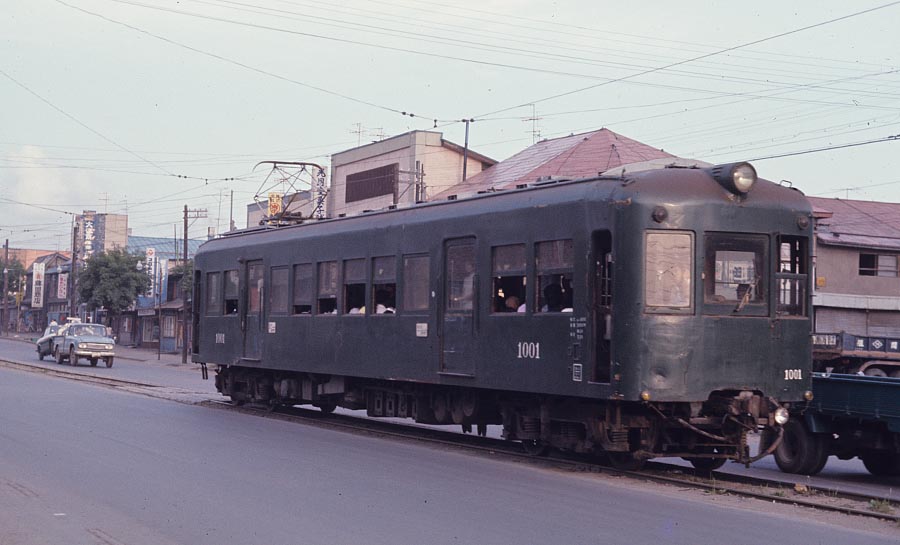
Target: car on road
(45, 343)
(89, 341)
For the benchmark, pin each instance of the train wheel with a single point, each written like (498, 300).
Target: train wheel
(821, 457)
(800, 451)
(882, 463)
(701, 463)
(874, 372)
(535, 447)
(625, 461)
(327, 407)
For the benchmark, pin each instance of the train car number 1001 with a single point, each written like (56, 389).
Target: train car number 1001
(529, 350)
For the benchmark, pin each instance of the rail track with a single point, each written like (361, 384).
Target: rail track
(769, 490)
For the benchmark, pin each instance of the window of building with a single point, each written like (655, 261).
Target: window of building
(231, 292)
(669, 261)
(303, 288)
(214, 294)
(878, 265)
(168, 326)
(278, 293)
(384, 285)
(416, 295)
(372, 183)
(509, 281)
(554, 262)
(328, 288)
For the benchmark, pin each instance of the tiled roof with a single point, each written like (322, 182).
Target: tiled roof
(575, 156)
(163, 246)
(857, 223)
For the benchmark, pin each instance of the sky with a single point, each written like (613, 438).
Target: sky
(141, 107)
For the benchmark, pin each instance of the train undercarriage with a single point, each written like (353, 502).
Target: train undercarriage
(708, 433)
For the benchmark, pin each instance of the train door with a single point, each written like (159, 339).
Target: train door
(460, 303)
(602, 306)
(254, 290)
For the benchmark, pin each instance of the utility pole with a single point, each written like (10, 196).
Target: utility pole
(466, 148)
(5, 285)
(73, 273)
(187, 317)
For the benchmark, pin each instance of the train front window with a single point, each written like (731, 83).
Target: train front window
(669, 261)
(735, 274)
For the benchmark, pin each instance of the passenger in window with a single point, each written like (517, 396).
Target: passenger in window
(384, 302)
(553, 298)
(512, 304)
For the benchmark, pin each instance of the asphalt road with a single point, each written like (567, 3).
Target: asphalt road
(83, 464)
(143, 366)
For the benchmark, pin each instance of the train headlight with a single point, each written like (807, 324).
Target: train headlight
(781, 416)
(645, 395)
(808, 395)
(735, 177)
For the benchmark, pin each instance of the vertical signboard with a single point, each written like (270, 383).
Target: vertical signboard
(62, 286)
(37, 286)
(150, 267)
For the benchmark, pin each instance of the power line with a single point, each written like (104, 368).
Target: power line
(693, 59)
(232, 61)
(892, 138)
(82, 124)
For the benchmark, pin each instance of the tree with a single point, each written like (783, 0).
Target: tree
(186, 274)
(111, 280)
(16, 272)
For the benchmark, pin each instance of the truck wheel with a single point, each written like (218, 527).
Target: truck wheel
(73, 358)
(58, 355)
(882, 463)
(800, 451)
(40, 354)
(109, 361)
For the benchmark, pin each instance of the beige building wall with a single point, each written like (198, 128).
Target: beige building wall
(837, 272)
(440, 161)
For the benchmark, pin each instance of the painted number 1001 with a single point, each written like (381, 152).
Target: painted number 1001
(793, 374)
(530, 351)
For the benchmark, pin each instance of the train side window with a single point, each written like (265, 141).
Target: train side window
(384, 285)
(328, 287)
(355, 286)
(461, 278)
(509, 280)
(554, 262)
(792, 275)
(278, 293)
(256, 288)
(416, 272)
(303, 288)
(668, 266)
(213, 294)
(231, 292)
